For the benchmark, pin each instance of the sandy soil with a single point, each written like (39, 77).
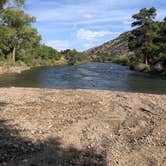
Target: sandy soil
(41, 127)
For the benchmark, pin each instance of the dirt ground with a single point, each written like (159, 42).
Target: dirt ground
(41, 127)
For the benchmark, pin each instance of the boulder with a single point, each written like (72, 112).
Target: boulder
(139, 67)
(159, 66)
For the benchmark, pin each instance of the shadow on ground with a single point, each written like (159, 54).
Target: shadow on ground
(18, 151)
(2, 104)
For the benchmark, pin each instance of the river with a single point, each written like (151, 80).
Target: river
(101, 76)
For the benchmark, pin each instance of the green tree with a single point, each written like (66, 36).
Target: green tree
(70, 56)
(73, 57)
(46, 53)
(20, 23)
(6, 38)
(144, 36)
(5, 2)
(162, 38)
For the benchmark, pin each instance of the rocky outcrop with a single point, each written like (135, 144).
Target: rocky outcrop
(116, 47)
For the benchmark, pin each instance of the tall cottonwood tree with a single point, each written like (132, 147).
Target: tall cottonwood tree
(7, 34)
(144, 36)
(6, 40)
(20, 23)
(18, 39)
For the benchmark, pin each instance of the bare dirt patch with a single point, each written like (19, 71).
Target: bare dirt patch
(40, 127)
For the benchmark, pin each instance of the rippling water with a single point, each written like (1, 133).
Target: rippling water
(105, 76)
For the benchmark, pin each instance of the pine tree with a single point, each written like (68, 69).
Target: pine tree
(144, 36)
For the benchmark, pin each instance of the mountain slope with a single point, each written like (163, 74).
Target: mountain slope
(116, 47)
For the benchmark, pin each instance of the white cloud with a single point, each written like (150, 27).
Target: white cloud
(86, 23)
(59, 44)
(82, 12)
(84, 34)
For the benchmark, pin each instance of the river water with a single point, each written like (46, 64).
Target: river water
(101, 76)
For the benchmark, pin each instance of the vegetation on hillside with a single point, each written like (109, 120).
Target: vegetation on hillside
(20, 43)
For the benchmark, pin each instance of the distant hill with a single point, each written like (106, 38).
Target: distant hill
(116, 47)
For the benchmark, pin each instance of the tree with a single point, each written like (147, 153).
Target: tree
(144, 36)
(165, 19)
(6, 39)
(20, 41)
(73, 57)
(46, 53)
(20, 28)
(70, 56)
(162, 38)
(16, 2)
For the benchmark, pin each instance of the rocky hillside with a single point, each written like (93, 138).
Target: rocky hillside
(116, 47)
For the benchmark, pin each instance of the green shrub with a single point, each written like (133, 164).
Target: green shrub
(124, 60)
(74, 57)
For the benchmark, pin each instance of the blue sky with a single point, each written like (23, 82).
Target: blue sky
(82, 24)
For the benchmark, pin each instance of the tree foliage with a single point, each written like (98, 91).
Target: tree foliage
(19, 41)
(74, 57)
(148, 40)
(162, 38)
(143, 38)
(18, 3)
(18, 24)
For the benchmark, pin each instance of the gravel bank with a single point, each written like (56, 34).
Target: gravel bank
(41, 127)
(13, 69)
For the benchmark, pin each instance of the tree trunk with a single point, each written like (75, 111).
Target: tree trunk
(146, 60)
(14, 54)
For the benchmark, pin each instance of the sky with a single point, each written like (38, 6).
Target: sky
(82, 24)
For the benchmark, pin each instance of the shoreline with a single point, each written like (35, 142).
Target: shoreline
(18, 69)
(151, 72)
(73, 126)
(13, 69)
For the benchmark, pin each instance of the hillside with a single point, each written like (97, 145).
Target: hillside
(116, 47)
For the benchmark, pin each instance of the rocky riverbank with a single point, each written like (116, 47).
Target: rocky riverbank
(40, 127)
(13, 69)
